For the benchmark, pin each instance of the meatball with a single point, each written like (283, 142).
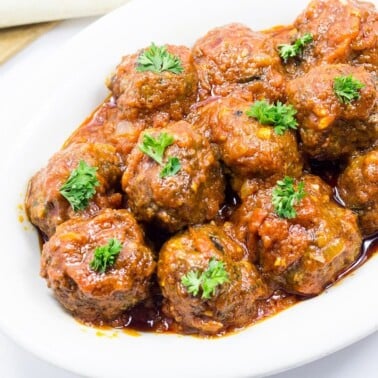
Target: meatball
(191, 195)
(248, 148)
(330, 128)
(146, 92)
(45, 205)
(234, 302)
(234, 58)
(92, 295)
(365, 46)
(343, 31)
(304, 254)
(358, 188)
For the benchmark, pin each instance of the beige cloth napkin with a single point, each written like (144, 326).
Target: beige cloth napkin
(21, 12)
(14, 39)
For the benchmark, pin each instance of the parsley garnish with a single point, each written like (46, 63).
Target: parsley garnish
(214, 275)
(280, 116)
(192, 281)
(80, 186)
(158, 59)
(287, 51)
(171, 168)
(155, 148)
(284, 197)
(347, 88)
(105, 256)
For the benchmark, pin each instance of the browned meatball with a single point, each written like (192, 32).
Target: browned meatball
(192, 195)
(365, 46)
(234, 58)
(45, 205)
(247, 147)
(358, 188)
(330, 128)
(342, 30)
(304, 254)
(89, 294)
(145, 92)
(233, 304)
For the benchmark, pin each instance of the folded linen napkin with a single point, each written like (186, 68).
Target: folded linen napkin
(20, 12)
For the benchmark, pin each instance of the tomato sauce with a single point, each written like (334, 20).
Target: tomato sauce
(148, 316)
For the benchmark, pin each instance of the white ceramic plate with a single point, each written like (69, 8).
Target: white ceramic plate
(29, 313)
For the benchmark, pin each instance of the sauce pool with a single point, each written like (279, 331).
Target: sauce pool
(148, 316)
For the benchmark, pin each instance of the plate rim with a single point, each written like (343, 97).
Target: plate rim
(40, 353)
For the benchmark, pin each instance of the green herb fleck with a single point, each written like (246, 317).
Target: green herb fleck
(280, 116)
(208, 280)
(192, 281)
(155, 148)
(172, 166)
(347, 88)
(105, 256)
(158, 59)
(284, 197)
(288, 51)
(80, 186)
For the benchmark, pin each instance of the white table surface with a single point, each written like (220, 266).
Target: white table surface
(21, 91)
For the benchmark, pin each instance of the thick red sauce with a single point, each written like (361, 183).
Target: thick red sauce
(148, 316)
